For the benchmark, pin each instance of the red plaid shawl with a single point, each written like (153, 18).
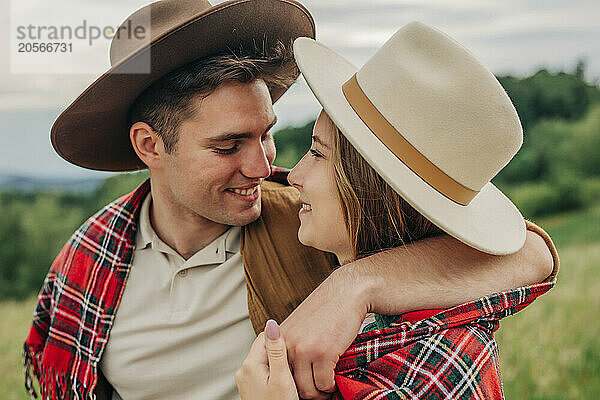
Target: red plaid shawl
(452, 355)
(79, 299)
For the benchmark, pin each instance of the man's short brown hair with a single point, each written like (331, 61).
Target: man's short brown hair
(168, 102)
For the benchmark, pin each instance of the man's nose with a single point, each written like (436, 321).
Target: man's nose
(257, 163)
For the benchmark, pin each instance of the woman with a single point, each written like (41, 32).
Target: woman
(405, 148)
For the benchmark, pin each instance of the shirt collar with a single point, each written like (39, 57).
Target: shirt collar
(218, 250)
(145, 234)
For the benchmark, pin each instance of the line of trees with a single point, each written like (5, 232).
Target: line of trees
(557, 169)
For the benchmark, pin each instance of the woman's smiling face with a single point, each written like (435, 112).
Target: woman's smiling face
(322, 223)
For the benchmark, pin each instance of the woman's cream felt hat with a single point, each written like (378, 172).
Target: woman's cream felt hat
(433, 122)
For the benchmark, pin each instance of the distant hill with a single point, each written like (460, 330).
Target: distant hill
(10, 182)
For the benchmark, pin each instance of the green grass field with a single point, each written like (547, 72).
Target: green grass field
(13, 328)
(551, 350)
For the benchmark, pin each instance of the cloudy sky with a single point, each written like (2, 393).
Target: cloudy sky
(509, 36)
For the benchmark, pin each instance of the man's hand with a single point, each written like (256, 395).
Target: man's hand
(322, 328)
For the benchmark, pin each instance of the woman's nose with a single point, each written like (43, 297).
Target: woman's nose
(294, 177)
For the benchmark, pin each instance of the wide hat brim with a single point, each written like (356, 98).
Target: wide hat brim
(93, 132)
(490, 223)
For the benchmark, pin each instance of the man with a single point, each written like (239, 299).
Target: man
(163, 291)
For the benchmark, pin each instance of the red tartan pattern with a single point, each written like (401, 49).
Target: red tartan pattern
(452, 355)
(79, 299)
(279, 175)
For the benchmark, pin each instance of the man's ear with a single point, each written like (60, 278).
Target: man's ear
(147, 144)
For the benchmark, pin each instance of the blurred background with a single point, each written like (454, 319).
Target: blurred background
(547, 56)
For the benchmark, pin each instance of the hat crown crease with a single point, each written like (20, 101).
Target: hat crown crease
(454, 113)
(156, 18)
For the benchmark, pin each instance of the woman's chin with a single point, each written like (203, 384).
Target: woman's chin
(308, 239)
(302, 237)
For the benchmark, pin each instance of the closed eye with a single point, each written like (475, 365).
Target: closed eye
(315, 153)
(226, 151)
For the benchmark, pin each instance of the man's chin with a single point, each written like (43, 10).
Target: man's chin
(247, 216)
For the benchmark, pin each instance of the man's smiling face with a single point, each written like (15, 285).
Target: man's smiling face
(224, 152)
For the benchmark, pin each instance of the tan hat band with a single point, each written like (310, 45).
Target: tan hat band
(405, 151)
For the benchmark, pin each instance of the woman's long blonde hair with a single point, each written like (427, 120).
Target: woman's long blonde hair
(376, 217)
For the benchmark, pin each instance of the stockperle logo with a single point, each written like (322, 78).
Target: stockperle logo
(73, 36)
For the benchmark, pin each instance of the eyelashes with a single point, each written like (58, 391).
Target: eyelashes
(230, 150)
(235, 148)
(315, 153)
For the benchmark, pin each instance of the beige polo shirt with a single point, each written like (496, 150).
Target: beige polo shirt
(182, 328)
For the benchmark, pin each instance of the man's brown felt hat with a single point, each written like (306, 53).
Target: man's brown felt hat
(93, 131)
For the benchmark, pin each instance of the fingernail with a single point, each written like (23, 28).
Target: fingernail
(272, 329)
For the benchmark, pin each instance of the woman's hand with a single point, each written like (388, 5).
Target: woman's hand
(265, 373)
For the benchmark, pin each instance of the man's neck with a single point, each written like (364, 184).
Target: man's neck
(185, 233)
